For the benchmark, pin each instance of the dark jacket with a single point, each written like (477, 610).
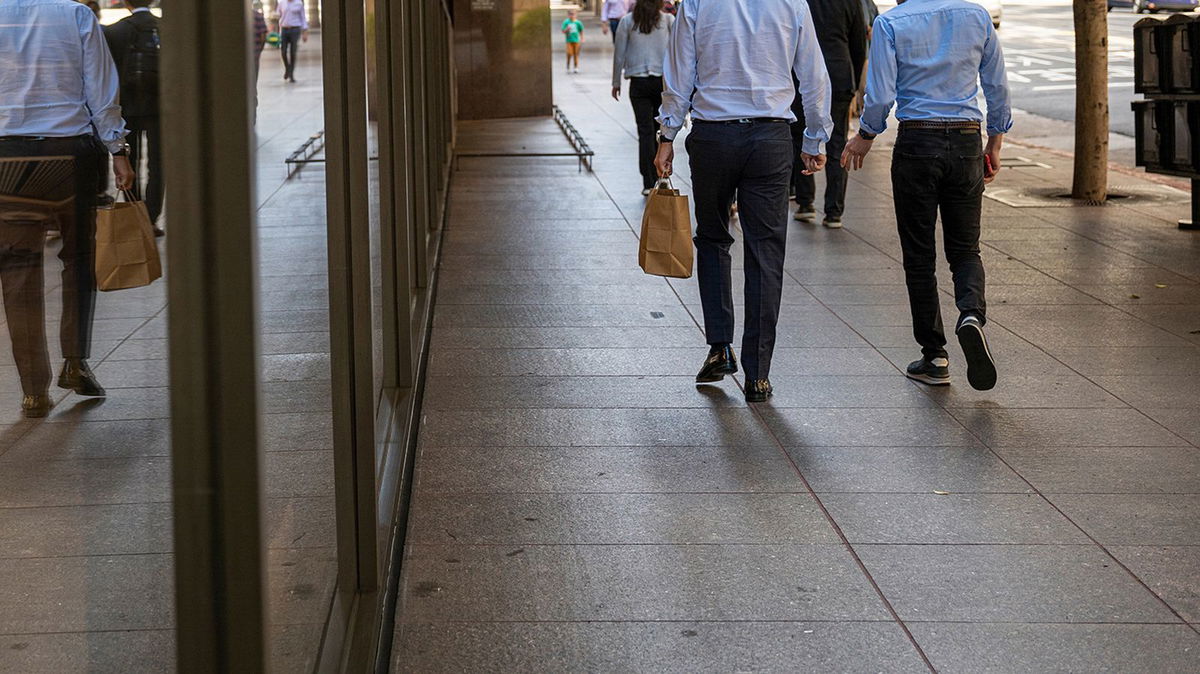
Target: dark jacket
(842, 32)
(120, 37)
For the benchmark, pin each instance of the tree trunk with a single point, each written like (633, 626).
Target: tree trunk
(1091, 101)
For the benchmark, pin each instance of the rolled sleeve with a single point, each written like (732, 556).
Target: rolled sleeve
(679, 73)
(101, 86)
(881, 79)
(994, 79)
(814, 87)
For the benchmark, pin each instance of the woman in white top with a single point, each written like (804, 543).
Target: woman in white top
(641, 47)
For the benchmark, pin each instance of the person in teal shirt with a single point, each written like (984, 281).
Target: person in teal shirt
(572, 27)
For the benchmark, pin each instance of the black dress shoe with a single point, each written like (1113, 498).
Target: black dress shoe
(759, 390)
(36, 406)
(77, 376)
(719, 363)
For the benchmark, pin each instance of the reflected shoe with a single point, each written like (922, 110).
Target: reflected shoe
(805, 214)
(981, 369)
(833, 221)
(77, 376)
(932, 371)
(645, 191)
(720, 362)
(759, 390)
(36, 407)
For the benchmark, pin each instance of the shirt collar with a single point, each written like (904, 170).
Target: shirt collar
(140, 9)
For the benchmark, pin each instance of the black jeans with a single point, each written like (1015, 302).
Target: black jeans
(835, 175)
(53, 178)
(645, 93)
(145, 140)
(753, 161)
(289, 42)
(939, 170)
(612, 28)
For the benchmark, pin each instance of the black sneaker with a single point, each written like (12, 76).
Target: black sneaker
(833, 221)
(981, 369)
(932, 371)
(805, 213)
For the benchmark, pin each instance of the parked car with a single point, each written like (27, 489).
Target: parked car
(994, 7)
(1155, 6)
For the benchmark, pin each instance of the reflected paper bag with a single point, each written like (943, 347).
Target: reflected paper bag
(666, 245)
(126, 254)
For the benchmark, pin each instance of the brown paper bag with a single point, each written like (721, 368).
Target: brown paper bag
(666, 245)
(126, 254)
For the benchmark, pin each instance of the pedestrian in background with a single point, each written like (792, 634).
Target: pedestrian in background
(870, 13)
(611, 14)
(293, 29)
(931, 58)
(94, 6)
(58, 107)
(134, 43)
(843, 37)
(641, 47)
(572, 29)
(731, 65)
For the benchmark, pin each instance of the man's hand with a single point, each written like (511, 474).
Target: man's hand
(616, 93)
(664, 159)
(856, 150)
(123, 173)
(992, 158)
(603, 27)
(813, 163)
(304, 36)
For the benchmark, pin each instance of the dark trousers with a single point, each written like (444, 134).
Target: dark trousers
(835, 175)
(145, 140)
(23, 219)
(645, 94)
(753, 161)
(939, 170)
(612, 28)
(289, 42)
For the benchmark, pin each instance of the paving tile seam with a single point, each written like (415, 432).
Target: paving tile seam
(949, 495)
(766, 621)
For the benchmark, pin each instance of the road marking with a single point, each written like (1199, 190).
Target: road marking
(1065, 87)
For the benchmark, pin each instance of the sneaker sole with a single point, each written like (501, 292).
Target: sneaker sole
(981, 369)
(833, 225)
(805, 217)
(926, 379)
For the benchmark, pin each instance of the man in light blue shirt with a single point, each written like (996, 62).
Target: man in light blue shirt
(730, 65)
(931, 58)
(59, 120)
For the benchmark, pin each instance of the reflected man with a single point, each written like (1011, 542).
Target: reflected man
(59, 122)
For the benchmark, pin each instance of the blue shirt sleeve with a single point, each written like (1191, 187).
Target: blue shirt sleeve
(994, 79)
(679, 73)
(101, 86)
(814, 87)
(881, 79)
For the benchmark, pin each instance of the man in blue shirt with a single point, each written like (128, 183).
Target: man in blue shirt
(730, 65)
(931, 57)
(59, 121)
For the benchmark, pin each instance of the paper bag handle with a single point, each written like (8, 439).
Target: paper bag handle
(663, 180)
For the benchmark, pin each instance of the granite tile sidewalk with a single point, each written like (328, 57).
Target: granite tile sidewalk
(580, 505)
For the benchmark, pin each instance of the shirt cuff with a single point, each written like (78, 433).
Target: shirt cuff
(812, 146)
(999, 130)
(865, 126)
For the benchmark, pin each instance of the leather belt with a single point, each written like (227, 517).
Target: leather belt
(939, 126)
(744, 120)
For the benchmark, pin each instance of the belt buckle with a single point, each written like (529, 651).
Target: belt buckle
(745, 120)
